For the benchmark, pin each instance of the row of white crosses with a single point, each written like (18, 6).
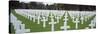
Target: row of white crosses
(19, 28)
(52, 22)
(28, 13)
(65, 26)
(38, 18)
(30, 16)
(65, 22)
(84, 15)
(75, 20)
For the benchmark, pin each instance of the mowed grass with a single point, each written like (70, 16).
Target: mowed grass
(34, 27)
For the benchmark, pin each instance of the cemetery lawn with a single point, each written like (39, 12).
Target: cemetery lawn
(34, 27)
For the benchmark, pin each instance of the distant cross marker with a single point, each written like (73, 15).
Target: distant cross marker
(65, 22)
(34, 18)
(44, 21)
(82, 20)
(57, 19)
(52, 23)
(38, 20)
(76, 22)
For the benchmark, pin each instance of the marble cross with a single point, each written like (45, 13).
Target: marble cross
(52, 23)
(82, 20)
(65, 22)
(76, 23)
(38, 20)
(34, 18)
(44, 22)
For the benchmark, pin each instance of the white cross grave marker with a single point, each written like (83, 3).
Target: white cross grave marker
(38, 19)
(76, 22)
(52, 23)
(82, 20)
(44, 22)
(34, 18)
(65, 22)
